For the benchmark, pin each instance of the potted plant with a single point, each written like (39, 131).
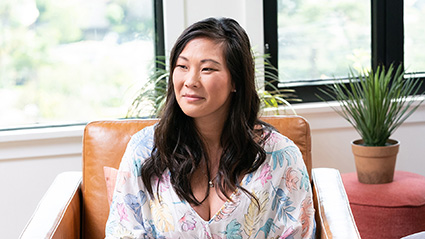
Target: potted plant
(376, 103)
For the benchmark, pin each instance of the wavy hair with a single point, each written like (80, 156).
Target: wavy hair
(178, 145)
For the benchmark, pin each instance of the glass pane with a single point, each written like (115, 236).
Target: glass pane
(414, 35)
(72, 60)
(322, 39)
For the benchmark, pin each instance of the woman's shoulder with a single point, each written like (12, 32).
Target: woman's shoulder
(273, 139)
(139, 148)
(144, 137)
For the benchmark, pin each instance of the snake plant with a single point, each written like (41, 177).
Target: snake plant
(377, 102)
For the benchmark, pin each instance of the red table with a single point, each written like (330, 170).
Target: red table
(391, 210)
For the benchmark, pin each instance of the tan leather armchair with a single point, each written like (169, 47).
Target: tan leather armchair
(76, 206)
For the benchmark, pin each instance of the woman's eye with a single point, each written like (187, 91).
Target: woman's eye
(208, 69)
(181, 66)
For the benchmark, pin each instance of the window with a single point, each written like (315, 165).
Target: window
(317, 41)
(321, 39)
(414, 36)
(72, 60)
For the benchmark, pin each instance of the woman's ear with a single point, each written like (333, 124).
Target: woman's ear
(233, 87)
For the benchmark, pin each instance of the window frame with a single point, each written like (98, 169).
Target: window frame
(387, 35)
(159, 43)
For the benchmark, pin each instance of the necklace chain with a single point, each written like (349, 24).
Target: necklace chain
(210, 182)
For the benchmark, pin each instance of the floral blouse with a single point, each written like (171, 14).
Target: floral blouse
(281, 185)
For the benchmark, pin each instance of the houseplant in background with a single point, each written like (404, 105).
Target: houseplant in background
(272, 98)
(376, 103)
(151, 96)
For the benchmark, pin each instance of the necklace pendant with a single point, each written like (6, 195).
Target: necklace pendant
(210, 184)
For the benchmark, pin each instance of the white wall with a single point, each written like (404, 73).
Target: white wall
(332, 136)
(30, 159)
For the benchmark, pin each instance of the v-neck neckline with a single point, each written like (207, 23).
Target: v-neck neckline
(212, 219)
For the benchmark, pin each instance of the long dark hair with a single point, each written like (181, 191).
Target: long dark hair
(177, 143)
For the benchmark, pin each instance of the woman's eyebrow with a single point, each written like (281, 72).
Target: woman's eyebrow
(202, 61)
(183, 58)
(211, 60)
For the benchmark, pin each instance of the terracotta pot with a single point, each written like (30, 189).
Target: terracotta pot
(375, 164)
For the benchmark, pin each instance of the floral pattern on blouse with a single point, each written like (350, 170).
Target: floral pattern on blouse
(281, 186)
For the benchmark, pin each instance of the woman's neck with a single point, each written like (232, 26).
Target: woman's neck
(210, 132)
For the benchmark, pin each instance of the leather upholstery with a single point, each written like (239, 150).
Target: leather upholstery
(104, 145)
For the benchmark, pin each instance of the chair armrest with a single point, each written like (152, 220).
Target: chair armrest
(58, 215)
(333, 212)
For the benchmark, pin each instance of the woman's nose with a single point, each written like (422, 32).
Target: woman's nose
(192, 79)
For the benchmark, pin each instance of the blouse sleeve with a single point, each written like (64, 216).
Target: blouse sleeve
(125, 215)
(291, 194)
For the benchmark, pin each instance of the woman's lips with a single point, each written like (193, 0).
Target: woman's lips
(192, 97)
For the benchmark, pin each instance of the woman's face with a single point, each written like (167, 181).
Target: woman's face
(202, 81)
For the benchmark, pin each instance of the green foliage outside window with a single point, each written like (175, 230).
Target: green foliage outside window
(71, 60)
(321, 39)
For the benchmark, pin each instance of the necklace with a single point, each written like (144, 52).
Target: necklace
(210, 183)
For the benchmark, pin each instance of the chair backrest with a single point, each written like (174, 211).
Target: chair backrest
(104, 144)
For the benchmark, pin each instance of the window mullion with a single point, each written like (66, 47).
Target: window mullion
(159, 32)
(270, 38)
(387, 32)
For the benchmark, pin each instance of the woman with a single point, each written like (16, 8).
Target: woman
(209, 168)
